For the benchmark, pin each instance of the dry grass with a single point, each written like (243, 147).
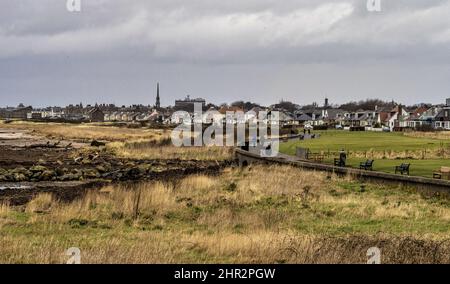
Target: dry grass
(41, 203)
(88, 132)
(144, 150)
(125, 142)
(435, 153)
(258, 215)
(441, 135)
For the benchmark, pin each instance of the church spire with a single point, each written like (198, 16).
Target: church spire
(158, 103)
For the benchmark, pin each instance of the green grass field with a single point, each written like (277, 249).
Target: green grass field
(363, 141)
(387, 149)
(423, 168)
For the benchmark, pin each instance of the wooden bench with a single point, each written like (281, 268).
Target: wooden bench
(442, 173)
(402, 169)
(367, 165)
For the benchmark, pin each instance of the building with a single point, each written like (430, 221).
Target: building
(158, 102)
(20, 112)
(35, 115)
(414, 118)
(188, 104)
(397, 116)
(442, 119)
(95, 115)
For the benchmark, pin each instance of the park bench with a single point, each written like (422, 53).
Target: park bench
(402, 169)
(367, 165)
(442, 173)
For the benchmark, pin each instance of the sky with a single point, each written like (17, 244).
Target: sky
(264, 51)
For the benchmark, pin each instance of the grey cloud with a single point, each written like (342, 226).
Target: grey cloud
(203, 45)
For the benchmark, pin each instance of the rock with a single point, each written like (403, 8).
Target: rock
(133, 173)
(20, 170)
(68, 177)
(61, 171)
(9, 177)
(90, 173)
(145, 167)
(96, 143)
(77, 173)
(78, 159)
(117, 176)
(130, 164)
(35, 176)
(47, 175)
(157, 169)
(19, 177)
(101, 169)
(38, 168)
(93, 157)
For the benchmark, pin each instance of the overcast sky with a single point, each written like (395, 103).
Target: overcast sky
(114, 51)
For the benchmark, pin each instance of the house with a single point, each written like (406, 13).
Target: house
(46, 113)
(354, 119)
(95, 115)
(368, 118)
(397, 116)
(333, 116)
(180, 117)
(155, 116)
(35, 115)
(287, 118)
(442, 119)
(413, 120)
(310, 117)
(429, 116)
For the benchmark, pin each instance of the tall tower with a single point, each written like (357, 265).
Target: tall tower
(158, 103)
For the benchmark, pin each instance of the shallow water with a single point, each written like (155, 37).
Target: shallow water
(14, 186)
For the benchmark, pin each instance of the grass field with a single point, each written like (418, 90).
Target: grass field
(425, 154)
(365, 141)
(274, 214)
(423, 168)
